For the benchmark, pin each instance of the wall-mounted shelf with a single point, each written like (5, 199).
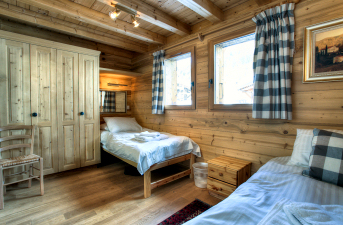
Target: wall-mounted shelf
(105, 71)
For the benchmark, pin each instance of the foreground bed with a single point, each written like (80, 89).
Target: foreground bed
(273, 182)
(150, 156)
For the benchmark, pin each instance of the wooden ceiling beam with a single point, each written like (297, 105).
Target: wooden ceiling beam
(153, 15)
(33, 18)
(90, 16)
(205, 8)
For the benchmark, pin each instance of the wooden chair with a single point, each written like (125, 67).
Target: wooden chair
(19, 160)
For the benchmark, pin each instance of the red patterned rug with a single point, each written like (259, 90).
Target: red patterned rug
(189, 212)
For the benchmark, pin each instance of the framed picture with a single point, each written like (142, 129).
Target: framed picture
(323, 52)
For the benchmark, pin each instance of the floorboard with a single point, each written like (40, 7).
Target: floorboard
(94, 195)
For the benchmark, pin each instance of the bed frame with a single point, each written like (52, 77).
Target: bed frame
(148, 186)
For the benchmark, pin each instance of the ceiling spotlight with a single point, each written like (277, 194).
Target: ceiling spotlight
(134, 21)
(114, 14)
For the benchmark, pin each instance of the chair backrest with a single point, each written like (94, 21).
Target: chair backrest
(18, 137)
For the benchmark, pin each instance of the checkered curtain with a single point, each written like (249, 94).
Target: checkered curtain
(109, 102)
(157, 83)
(273, 60)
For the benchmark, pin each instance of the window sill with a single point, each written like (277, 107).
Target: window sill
(179, 107)
(233, 107)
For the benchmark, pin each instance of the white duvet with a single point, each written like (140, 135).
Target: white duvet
(146, 154)
(274, 181)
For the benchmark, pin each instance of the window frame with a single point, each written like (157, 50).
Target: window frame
(211, 72)
(100, 107)
(190, 49)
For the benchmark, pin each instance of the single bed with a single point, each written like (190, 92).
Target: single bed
(149, 156)
(274, 181)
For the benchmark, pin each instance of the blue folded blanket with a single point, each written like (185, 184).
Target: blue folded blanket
(303, 213)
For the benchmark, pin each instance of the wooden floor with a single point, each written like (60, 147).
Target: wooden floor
(97, 196)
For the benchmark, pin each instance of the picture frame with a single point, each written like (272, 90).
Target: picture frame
(323, 52)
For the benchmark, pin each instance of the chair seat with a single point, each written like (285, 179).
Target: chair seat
(19, 160)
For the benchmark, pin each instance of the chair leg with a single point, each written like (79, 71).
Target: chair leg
(1, 188)
(30, 174)
(41, 177)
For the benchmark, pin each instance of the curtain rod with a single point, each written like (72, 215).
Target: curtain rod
(201, 36)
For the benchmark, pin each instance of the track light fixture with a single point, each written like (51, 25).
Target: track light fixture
(120, 8)
(134, 21)
(114, 14)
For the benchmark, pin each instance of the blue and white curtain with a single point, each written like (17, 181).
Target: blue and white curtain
(273, 60)
(109, 103)
(157, 83)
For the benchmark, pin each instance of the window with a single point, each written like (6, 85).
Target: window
(231, 72)
(113, 101)
(179, 78)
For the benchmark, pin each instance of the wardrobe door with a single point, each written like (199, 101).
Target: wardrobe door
(67, 110)
(89, 110)
(43, 105)
(14, 94)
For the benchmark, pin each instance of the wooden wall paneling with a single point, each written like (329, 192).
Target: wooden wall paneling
(105, 79)
(113, 53)
(68, 110)
(89, 104)
(43, 102)
(15, 94)
(235, 133)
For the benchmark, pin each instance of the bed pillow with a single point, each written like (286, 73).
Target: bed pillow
(122, 124)
(104, 127)
(326, 159)
(303, 147)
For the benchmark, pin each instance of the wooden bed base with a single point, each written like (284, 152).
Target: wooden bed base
(148, 186)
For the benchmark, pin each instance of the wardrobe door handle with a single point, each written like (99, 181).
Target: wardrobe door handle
(34, 114)
(82, 113)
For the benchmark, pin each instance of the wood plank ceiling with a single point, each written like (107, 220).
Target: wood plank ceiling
(89, 19)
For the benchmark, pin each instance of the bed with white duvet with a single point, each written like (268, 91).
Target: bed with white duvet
(274, 183)
(146, 154)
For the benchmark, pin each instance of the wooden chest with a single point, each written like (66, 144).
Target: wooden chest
(225, 174)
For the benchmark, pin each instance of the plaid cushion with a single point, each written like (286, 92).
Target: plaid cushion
(326, 159)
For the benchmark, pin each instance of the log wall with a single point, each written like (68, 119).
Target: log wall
(236, 133)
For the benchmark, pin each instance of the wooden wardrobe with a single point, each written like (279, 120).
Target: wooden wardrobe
(56, 87)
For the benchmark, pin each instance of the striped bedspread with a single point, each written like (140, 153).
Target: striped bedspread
(273, 182)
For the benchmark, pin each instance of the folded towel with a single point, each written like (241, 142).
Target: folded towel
(304, 213)
(148, 134)
(146, 139)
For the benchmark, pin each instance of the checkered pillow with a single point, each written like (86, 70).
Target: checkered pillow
(326, 159)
